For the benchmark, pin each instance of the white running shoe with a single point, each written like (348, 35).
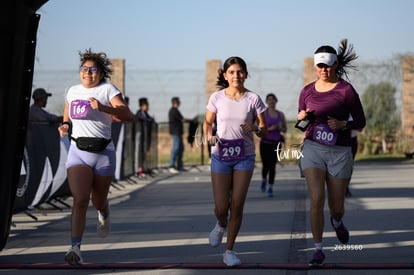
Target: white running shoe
(216, 235)
(172, 170)
(103, 227)
(73, 256)
(230, 258)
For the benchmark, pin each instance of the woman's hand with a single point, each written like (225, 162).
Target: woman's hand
(335, 124)
(212, 141)
(247, 127)
(273, 127)
(302, 114)
(95, 104)
(63, 130)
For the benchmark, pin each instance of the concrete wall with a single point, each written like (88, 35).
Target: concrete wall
(118, 76)
(212, 67)
(407, 95)
(309, 73)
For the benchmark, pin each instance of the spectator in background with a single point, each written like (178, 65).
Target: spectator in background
(176, 129)
(145, 129)
(37, 113)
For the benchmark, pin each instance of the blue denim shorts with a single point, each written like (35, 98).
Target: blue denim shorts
(227, 167)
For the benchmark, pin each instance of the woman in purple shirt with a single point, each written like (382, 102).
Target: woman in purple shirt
(326, 151)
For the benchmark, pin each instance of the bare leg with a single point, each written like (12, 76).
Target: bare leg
(241, 181)
(315, 180)
(222, 184)
(80, 180)
(336, 196)
(100, 191)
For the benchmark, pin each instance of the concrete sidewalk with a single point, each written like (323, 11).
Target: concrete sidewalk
(160, 226)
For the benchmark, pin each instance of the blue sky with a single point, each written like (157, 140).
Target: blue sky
(183, 34)
(175, 34)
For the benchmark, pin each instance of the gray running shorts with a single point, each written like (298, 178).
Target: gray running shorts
(335, 160)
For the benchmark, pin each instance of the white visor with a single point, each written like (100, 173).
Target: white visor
(325, 58)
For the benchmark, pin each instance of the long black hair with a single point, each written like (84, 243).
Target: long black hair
(345, 56)
(221, 81)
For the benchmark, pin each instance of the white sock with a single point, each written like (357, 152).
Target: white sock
(218, 226)
(318, 246)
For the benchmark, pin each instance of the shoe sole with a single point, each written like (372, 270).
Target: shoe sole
(73, 259)
(232, 264)
(102, 234)
(315, 265)
(214, 245)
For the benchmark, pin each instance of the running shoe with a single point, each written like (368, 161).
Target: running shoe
(172, 170)
(341, 232)
(263, 186)
(270, 192)
(230, 258)
(317, 259)
(73, 256)
(216, 235)
(103, 227)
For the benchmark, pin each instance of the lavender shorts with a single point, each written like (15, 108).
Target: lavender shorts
(102, 163)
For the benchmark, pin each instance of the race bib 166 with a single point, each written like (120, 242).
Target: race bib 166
(79, 108)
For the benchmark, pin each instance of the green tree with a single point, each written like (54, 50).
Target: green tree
(380, 107)
(381, 111)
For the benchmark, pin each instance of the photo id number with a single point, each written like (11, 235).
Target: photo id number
(348, 247)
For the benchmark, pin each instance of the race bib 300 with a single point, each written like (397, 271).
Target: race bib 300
(324, 135)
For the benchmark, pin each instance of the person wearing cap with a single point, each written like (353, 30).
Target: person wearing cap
(37, 113)
(327, 157)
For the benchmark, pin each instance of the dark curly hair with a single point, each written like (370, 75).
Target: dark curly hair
(101, 60)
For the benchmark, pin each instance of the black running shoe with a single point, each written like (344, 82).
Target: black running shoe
(341, 232)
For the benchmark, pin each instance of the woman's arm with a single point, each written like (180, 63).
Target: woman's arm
(119, 109)
(65, 126)
(208, 127)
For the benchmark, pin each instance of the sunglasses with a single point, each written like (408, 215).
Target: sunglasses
(87, 69)
(322, 65)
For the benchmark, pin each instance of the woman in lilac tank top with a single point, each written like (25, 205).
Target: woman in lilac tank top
(276, 125)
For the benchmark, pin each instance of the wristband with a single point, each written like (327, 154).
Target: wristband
(66, 123)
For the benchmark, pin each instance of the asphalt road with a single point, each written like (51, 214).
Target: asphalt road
(160, 226)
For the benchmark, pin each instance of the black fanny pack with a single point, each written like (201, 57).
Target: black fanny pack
(91, 144)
